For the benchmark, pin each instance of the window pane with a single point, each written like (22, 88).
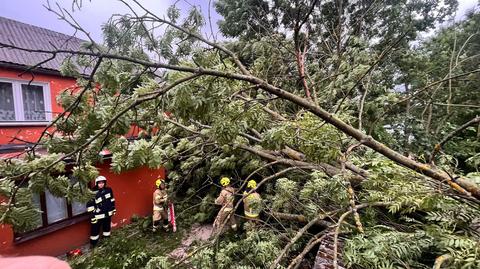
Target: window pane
(7, 108)
(77, 208)
(56, 208)
(36, 203)
(33, 103)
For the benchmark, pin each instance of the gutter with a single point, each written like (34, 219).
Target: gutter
(39, 70)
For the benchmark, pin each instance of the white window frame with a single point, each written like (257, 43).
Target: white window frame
(18, 102)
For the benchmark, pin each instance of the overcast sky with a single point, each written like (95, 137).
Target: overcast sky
(96, 12)
(92, 15)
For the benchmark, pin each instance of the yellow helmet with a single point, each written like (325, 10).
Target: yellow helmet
(225, 181)
(252, 184)
(159, 182)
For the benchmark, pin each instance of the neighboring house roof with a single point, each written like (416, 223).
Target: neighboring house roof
(32, 37)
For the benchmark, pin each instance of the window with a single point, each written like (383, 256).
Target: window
(55, 209)
(33, 103)
(78, 208)
(21, 101)
(56, 213)
(7, 109)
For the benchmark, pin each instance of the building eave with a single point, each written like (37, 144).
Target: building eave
(37, 70)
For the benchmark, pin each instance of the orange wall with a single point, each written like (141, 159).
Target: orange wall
(30, 133)
(133, 196)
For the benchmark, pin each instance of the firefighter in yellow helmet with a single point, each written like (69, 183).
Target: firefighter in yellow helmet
(160, 206)
(252, 202)
(225, 199)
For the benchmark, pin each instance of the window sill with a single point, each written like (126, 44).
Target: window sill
(24, 123)
(21, 238)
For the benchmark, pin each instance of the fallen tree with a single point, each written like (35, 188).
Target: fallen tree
(256, 106)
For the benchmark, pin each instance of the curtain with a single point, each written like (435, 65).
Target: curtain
(33, 103)
(7, 107)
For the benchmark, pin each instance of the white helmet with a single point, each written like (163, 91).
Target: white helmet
(100, 178)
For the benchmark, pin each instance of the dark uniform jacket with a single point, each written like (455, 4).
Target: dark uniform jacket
(103, 205)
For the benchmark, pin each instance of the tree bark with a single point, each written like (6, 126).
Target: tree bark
(406, 122)
(330, 170)
(461, 185)
(439, 146)
(299, 218)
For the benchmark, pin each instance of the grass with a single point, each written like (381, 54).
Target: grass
(131, 246)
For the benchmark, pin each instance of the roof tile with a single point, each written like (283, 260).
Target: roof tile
(33, 37)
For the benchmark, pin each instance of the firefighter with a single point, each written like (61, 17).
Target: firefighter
(225, 199)
(101, 209)
(160, 206)
(252, 203)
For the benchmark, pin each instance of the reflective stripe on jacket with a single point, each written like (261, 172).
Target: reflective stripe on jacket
(225, 199)
(102, 205)
(160, 198)
(252, 205)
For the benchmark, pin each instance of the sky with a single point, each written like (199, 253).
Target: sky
(92, 14)
(96, 12)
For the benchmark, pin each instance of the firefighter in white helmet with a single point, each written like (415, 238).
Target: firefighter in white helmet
(225, 199)
(101, 210)
(160, 206)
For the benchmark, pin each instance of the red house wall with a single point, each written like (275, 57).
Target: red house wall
(133, 196)
(32, 133)
(132, 189)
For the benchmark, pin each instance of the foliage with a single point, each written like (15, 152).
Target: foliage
(363, 61)
(131, 246)
(258, 248)
(386, 249)
(427, 224)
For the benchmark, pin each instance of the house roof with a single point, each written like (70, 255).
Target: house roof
(33, 37)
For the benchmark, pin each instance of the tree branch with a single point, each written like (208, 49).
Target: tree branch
(463, 186)
(295, 239)
(234, 57)
(299, 218)
(339, 223)
(350, 191)
(96, 136)
(314, 241)
(439, 145)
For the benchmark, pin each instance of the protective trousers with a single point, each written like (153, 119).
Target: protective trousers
(105, 225)
(160, 214)
(220, 219)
